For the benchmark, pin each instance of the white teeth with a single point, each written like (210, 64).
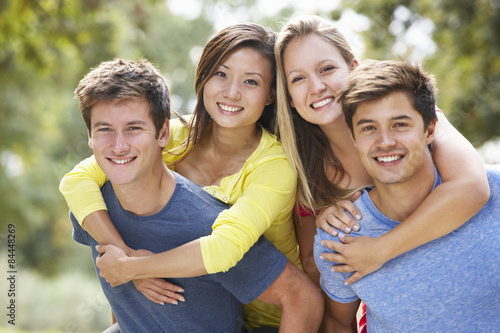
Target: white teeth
(322, 102)
(387, 159)
(122, 161)
(230, 108)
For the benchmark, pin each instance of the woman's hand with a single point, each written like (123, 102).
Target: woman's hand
(110, 263)
(335, 216)
(361, 255)
(159, 291)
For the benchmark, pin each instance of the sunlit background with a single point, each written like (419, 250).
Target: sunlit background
(46, 46)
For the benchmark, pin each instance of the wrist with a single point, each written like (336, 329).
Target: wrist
(386, 248)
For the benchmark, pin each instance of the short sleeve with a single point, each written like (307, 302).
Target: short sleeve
(331, 282)
(254, 273)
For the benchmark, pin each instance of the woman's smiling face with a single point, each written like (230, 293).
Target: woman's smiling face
(240, 88)
(315, 72)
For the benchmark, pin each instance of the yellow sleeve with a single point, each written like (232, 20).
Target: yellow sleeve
(81, 188)
(268, 190)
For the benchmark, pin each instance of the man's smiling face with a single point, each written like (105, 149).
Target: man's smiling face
(391, 139)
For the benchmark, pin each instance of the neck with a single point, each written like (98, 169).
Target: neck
(148, 195)
(232, 141)
(399, 201)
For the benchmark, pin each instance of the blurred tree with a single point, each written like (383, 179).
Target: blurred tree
(464, 56)
(45, 49)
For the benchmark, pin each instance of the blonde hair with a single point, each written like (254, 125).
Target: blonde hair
(305, 145)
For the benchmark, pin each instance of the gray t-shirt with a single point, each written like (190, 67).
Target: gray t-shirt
(451, 284)
(213, 301)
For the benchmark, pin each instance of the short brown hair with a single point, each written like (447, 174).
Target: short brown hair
(124, 79)
(376, 79)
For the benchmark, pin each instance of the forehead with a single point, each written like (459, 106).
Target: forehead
(310, 47)
(120, 111)
(395, 105)
(247, 59)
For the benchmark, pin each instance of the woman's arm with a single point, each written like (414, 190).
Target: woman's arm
(463, 192)
(266, 194)
(269, 188)
(81, 189)
(305, 229)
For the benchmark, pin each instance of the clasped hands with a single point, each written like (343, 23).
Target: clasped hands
(111, 263)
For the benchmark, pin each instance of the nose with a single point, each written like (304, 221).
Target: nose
(232, 90)
(316, 85)
(386, 139)
(120, 144)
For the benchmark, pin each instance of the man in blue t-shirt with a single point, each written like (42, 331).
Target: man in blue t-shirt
(451, 284)
(125, 105)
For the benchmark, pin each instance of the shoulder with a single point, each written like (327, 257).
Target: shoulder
(194, 195)
(270, 157)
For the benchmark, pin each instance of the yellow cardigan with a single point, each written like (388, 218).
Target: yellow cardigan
(261, 197)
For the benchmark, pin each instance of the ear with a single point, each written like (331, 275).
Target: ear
(271, 97)
(430, 132)
(164, 134)
(91, 141)
(354, 63)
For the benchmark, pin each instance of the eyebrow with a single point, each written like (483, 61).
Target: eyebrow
(133, 122)
(247, 73)
(366, 121)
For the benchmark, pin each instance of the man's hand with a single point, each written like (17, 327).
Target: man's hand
(110, 263)
(362, 255)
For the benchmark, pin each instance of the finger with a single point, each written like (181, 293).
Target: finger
(355, 196)
(342, 269)
(345, 239)
(158, 298)
(333, 257)
(355, 277)
(351, 208)
(167, 285)
(323, 224)
(100, 248)
(343, 222)
(333, 245)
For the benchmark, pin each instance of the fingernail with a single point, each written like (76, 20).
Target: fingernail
(334, 233)
(356, 227)
(333, 270)
(321, 256)
(345, 283)
(347, 229)
(358, 217)
(180, 290)
(161, 303)
(341, 234)
(182, 299)
(174, 302)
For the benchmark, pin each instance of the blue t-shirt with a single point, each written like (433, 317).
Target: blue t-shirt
(214, 301)
(451, 284)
